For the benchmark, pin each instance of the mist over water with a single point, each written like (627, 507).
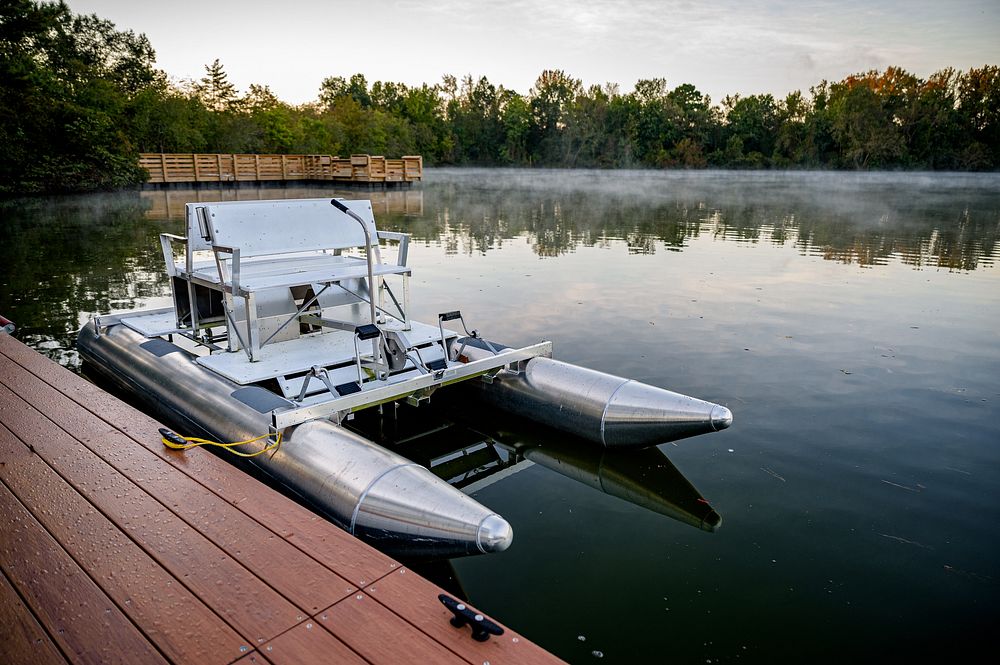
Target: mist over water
(948, 219)
(850, 321)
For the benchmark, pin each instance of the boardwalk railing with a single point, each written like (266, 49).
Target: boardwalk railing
(194, 168)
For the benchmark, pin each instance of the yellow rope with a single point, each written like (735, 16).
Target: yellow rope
(177, 442)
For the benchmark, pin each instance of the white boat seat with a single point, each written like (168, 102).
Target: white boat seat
(260, 246)
(298, 270)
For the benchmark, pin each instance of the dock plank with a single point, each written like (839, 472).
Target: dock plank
(307, 583)
(397, 641)
(415, 599)
(23, 641)
(246, 603)
(128, 575)
(86, 625)
(97, 508)
(325, 542)
(309, 642)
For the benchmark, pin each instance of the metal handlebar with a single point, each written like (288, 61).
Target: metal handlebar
(371, 274)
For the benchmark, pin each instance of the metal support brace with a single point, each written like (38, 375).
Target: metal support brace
(298, 313)
(229, 292)
(418, 361)
(384, 288)
(372, 332)
(318, 373)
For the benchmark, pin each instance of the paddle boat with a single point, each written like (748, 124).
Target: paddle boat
(287, 320)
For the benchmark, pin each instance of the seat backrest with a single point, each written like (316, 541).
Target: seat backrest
(260, 228)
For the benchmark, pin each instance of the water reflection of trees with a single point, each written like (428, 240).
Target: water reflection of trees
(861, 221)
(938, 238)
(869, 226)
(67, 258)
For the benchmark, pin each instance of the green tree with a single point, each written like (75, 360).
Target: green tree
(516, 120)
(586, 137)
(792, 146)
(979, 113)
(934, 132)
(696, 117)
(165, 119)
(80, 99)
(424, 109)
(550, 98)
(214, 89)
(476, 123)
(864, 132)
(388, 96)
(68, 82)
(657, 126)
(754, 120)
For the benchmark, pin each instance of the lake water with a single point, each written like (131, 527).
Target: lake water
(850, 321)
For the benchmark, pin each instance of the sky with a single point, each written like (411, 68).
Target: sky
(721, 46)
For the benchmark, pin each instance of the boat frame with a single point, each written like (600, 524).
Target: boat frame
(279, 270)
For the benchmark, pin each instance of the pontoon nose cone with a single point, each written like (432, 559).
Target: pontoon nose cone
(721, 417)
(640, 414)
(495, 534)
(609, 410)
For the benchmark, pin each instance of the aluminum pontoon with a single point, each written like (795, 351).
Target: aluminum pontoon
(287, 320)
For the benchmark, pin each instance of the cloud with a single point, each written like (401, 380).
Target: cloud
(722, 47)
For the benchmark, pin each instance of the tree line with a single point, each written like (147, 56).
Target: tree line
(80, 99)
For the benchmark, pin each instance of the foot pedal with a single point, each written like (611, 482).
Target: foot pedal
(452, 316)
(348, 388)
(367, 331)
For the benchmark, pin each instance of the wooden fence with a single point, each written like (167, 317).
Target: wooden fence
(195, 168)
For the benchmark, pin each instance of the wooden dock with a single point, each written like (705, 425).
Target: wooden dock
(365, 170)
(115, 549)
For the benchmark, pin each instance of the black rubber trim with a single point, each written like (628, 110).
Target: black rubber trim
(158, 347)
(259, 399)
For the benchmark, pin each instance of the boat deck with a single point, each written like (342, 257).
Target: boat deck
(116, 549)
(298, 355)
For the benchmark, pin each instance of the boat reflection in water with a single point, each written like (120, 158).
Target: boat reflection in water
(474, 458)
(646, 478)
